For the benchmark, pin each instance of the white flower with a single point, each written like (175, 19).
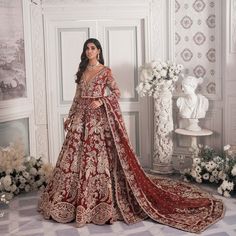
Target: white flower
(230, 186)
(147, 86)
(9, 196)
(22, 180)
(21, 168)
(180, 67)
(13, 188)
(219, 190)
(221, 175)
(203, 164)
(22, 186)
(17, 191)
(175, 78)
(163, 73)
(171, 74)
(27, 188)
(7, 181)
(198, 169)
(233, 171)
(218, 160)
(158, 75)
(26, 174)
(42, 188)
(197, 160)
(199, 179)
(139, 87)
(212, 179)
(206, 176)
(227, 185)
(32, 161)
(145, 75)
(8, 188)
(200, 145)
(193, 173)
(215, 173)
(227, 147)
(226, 194)
(187, 171)
(208, 167)
(39, 182)
(33, 171)
(212, 164)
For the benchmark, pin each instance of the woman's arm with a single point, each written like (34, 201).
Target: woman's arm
(112, 85)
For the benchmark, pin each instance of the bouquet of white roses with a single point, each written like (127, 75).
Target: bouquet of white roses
(157, 75)
(207, 166)
(19, 173)
(229, 181)
(212, 167)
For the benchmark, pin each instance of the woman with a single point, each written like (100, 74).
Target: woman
(98, 178)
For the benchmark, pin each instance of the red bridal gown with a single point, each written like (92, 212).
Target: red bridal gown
(98, 178)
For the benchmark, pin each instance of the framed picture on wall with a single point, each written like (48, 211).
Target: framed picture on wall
(15, 131)
(12, 51)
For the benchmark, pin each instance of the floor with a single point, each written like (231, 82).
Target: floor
(22, 219)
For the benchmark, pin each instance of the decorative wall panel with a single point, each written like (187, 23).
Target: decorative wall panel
(198, 42)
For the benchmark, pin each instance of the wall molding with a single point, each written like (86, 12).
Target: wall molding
(39, 84)
(232, 22)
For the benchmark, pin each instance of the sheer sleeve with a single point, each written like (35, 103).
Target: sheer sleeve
(75, 102)
(112, 85)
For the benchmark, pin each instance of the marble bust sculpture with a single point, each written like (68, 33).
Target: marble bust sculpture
(192, 106)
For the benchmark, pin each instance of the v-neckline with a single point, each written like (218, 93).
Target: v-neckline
(93, 77)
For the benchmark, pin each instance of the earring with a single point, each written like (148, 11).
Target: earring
(98, 57)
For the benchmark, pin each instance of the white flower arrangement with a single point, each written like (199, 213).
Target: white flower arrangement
(210, 167)
(19, 173)
(157, 75)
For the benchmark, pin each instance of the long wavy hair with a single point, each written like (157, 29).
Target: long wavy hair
(84, 60)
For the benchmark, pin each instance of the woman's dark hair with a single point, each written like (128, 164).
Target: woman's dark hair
(84, 60)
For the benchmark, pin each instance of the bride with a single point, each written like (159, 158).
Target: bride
(97, 177)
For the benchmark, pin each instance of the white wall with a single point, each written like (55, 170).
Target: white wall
(229, 85)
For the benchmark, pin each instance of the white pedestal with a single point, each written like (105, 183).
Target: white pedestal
(194, 134)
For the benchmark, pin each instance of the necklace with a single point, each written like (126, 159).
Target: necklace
(90, 67)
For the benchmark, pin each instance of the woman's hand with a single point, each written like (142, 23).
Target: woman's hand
(95, 104)
(67, 123)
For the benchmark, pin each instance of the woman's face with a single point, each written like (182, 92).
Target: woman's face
(92, 51)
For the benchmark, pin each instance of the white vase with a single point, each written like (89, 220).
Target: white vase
(163, 127)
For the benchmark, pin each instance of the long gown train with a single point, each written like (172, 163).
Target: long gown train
(99, 179)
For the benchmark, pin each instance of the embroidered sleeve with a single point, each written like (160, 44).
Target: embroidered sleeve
(112, 85)
(75, 102)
